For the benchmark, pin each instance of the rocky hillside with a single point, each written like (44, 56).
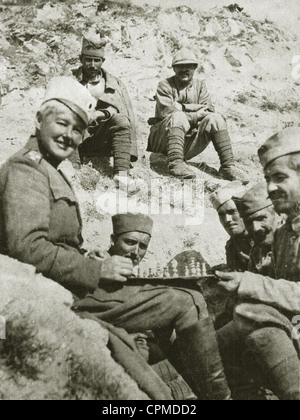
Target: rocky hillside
(246, 60)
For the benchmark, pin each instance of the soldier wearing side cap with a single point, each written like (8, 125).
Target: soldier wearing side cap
(40, 222)
(161, 309)
(113, 129)
(267, 312)
(239, 245)
(261, 221)
(185, 121)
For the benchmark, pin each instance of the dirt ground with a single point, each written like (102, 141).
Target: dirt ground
(245, 58)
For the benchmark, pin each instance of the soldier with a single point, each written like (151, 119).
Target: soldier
(113, 130)
(185, 121)
(41, 225)
(261, 221)
(239, 245)
(139, 308)
(268, 310)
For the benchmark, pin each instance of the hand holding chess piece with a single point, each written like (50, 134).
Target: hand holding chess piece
(116, 269)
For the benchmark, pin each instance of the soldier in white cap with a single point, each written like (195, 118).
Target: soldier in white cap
(239, 245)
(113, 130)
(185, 121)
(267, 313)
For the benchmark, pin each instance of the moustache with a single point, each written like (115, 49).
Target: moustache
(277, 196)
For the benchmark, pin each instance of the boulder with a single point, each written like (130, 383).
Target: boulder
(49, 352)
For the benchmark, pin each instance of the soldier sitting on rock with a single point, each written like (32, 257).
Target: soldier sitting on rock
(185, 121)
(41, 226)
(113, 130)
(239, 245)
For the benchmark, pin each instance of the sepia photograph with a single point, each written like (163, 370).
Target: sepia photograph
(150, 202)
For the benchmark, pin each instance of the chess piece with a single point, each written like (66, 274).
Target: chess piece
(193, 267)
(198, 270)
(174, 265)
(204, 270)
(151, 275)
(139, 272)
(145, 274)
(187, 272)
(158, 271)
(166, 273)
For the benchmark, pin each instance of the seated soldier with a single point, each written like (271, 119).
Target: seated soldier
(40, 217)
(267, 312)
(41, 226)
(139, 308)
(185, 121)
(261, 221)
(113, 130)
(239, 245)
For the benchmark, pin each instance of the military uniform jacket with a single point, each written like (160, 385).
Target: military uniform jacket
(238, 249)
(115, 95)
(41, 223)
(283, 292)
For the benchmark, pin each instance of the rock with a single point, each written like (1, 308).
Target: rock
(49, 352)
(41, 68)
(234, 62)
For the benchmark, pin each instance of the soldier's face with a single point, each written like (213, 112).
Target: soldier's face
(231, 219)
(284, 186)
(262, 225)
(60, 132)
(133, 245)
(185, 73)
(92, 65)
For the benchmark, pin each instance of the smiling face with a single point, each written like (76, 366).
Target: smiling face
(262, 225)
(60, 130)
(231, 219)
(133, 245)
(91, 66)
(283, 179)
(184, 73)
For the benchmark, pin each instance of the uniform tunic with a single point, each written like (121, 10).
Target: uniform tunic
(41, 223)
(237, 252)
(178, 107)
(264, 301)
(114, 98)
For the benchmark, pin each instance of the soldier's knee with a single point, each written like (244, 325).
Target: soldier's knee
(120, 120)
(179, 120)
(215, 121)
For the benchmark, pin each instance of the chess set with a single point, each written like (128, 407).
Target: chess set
(194, 271)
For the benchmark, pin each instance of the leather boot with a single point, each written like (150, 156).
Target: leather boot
(222, 143)
(274, 353)
(200, 361)
(177, 167)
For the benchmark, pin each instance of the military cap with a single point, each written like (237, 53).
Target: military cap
(253, 201)
(93, 46)
(184, 56)
(225, 194)
(72, 94)
(284, 143)
(130, 222)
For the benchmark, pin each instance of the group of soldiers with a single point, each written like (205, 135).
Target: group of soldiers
(41, 225)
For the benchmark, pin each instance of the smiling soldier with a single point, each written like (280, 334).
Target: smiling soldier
(239, 245)
(185, 121)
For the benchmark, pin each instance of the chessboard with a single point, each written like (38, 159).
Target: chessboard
(194, 272)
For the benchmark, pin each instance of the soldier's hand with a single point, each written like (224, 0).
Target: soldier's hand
(202, 114)
(97, 254)
(116, 269)
(229, 281)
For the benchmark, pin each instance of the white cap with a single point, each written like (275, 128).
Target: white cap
(72, 94)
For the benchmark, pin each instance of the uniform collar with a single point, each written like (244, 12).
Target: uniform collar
(110, 80)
